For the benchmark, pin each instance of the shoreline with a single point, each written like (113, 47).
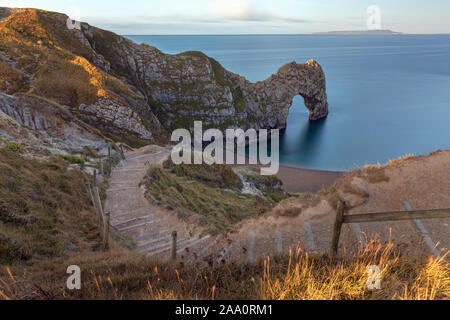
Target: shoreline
(300, 180)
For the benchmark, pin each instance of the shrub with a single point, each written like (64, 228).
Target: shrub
(14, 147)
(213, 175)
(72, 159)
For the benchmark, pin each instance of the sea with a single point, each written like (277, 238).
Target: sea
(388, 95)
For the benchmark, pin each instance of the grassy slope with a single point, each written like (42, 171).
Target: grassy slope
(44, 210)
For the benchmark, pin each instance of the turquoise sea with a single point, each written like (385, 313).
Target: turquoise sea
(389, 95)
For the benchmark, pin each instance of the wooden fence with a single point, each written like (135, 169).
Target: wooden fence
(341, 218)
(93, 190)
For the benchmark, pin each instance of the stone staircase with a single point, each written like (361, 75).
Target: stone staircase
(133, 215)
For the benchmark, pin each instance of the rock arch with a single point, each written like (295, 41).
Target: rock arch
(270, 100)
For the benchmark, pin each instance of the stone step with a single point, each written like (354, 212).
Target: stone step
(137, 226)
(129, 213)
(182, 244)
(193, 243)
(153, 241)
(129, 169)
(206, 248)
(164, 247)
(151, 234)
(121, 189)
(131, 220)
(121, 182)
(144, 156)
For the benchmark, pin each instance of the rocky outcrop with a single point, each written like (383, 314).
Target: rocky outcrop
(131, 90)
(43, 125)
(114, 117)
(268, 102)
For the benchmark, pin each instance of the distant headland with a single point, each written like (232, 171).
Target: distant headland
(382, 32)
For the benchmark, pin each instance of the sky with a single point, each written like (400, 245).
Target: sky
(251, 16)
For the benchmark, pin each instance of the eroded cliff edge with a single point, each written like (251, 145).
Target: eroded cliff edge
(135, 91)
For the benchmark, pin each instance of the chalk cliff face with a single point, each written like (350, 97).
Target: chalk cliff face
(136, 92)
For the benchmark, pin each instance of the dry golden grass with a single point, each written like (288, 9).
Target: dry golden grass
(43, 29)
(401, 278)
(67, 82)
(118, 275)
(27, 24)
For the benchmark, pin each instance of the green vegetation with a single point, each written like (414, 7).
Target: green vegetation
(196, 54)
(72, 159)
(238, 97)
(14, 147)
(219, 72)
(212, 194)
(221, 176)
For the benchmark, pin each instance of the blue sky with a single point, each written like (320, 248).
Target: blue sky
(249, 16)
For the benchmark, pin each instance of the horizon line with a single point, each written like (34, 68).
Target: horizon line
(276, 34)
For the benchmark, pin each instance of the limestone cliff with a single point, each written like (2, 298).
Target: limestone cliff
(191, 85)
(136, 92)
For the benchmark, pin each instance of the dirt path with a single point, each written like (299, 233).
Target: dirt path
(424, 183)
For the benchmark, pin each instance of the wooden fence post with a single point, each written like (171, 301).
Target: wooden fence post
(251, 248)
(337, 228)
(109, 159)
(173, 246)
(91, 194)
(95, 178)
(102, 172)
(99, 203)
(106, 223)
(121, 152)
(279, 242)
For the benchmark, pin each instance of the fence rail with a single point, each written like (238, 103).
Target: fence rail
(397, 216)
(341, 218)
(93, 189)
